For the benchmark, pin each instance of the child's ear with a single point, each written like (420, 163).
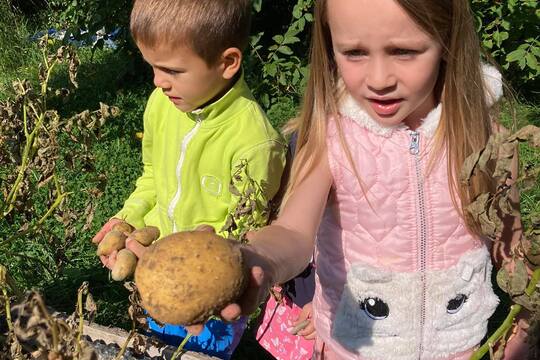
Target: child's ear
(231, 60)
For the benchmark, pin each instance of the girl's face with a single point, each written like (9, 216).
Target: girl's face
(387, 62)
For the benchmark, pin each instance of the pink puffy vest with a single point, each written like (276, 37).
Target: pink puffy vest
(399, 276)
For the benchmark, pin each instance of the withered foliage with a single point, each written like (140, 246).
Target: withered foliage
(520, 271)
(30, 132)
(252, 208)
(36, 334)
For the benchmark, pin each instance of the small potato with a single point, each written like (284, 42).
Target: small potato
(113, 240)
(146, 235)
(126, 261)
(123, 227)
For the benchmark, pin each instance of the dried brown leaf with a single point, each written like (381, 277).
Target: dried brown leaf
(529, 133)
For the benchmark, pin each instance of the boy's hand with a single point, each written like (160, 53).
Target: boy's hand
(304, 326)
(105, 229)
(107, 260)
(137, 248)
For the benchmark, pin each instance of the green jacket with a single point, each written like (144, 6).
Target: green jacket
(189, 159)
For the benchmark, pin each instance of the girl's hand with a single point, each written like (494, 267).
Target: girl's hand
(255, 293)
(305, 317)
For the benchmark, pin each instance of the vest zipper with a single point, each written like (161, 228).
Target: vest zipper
(185, 142)
(414, 149)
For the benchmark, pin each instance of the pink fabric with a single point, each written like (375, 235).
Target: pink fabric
(273, 333)
(382, 229)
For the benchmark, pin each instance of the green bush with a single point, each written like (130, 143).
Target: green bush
(509, 32)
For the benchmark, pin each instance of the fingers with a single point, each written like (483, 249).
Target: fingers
(137, 248)
(231, 312)
(109, 260)
(308, 332)
(105, 229)
(205, 227)
(252, 296)
(249, 301)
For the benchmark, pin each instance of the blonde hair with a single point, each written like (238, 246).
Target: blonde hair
(465, 124)
(206, 26)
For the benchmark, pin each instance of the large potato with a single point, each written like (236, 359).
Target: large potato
(186, 277)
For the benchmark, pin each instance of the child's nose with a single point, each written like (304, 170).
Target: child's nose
(380, 76)
(160, 80)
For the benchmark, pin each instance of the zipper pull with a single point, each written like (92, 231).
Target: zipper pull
(414, 147)
(198, 114)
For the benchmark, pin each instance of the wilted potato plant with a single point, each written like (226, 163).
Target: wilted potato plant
(31, 186)
(34, 333)
(520, 272)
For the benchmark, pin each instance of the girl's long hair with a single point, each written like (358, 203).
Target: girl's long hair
(465, 124)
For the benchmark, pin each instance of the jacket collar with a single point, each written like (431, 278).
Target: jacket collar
(224, 108)
(349, 108)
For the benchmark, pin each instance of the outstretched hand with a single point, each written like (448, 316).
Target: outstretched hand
(258, 285)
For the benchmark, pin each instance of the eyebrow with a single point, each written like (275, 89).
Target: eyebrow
(169, 68)
(400, 43)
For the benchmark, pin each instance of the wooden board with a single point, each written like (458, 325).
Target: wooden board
(119, 336)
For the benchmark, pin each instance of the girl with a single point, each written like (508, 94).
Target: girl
(397, 99)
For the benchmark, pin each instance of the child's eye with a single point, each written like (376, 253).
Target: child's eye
(404, 52)
(354, 53)
(171, 72)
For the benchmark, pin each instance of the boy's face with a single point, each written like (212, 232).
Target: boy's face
(184, 76)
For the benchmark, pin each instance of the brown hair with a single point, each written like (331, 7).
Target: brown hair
(465, 124)
(206, 26)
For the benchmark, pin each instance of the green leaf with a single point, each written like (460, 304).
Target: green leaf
(278, 39)
(515, 55)
(257, 5)
(285, 50)
(290, 40)
(532, 62)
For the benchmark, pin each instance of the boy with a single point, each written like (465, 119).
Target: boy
(200, 122)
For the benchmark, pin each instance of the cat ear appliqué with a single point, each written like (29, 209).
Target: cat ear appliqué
(494, 84)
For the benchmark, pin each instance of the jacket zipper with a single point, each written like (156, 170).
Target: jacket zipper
(185, 142)
(414, 149)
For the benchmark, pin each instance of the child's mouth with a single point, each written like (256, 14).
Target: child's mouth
(387, 107)
(175, 99)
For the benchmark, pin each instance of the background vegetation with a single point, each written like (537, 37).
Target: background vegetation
(96, 168)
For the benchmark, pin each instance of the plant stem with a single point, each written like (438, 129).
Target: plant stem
(81, 321)
(181, 347)
(8, 308)
(125, 345)
(507, 323)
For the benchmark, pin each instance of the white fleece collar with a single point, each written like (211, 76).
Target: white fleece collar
(349, 108)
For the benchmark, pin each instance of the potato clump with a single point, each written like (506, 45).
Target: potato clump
(186, 277)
